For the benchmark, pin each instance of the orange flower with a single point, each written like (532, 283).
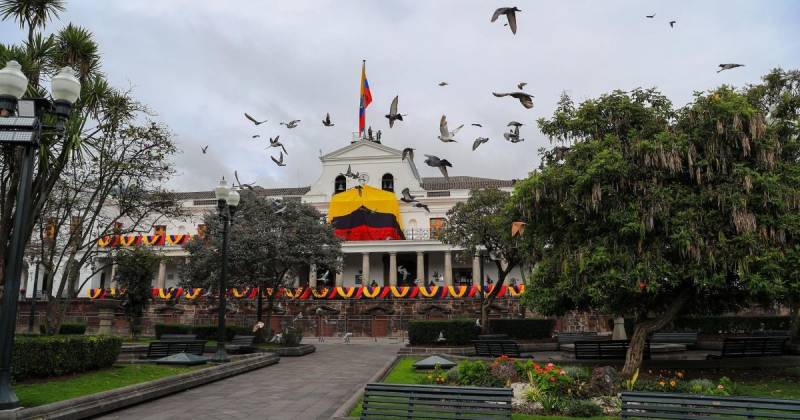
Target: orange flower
(679, 374)
(673, 383)
(661, 382)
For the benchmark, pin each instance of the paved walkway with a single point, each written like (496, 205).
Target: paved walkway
(308, 387)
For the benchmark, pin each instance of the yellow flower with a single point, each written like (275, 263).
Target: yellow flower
(672, 383)
(679, 374)
(661, 382)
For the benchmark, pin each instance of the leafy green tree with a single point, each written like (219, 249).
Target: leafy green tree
(270, 244)
(649, 212)
(482, 225)
(135, 270)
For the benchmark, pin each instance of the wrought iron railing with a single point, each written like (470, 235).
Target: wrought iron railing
(434, 234)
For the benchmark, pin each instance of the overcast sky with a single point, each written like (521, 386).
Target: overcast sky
(200, 64)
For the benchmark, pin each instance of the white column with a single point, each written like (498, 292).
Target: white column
(421, 267)
(392, 269)
(162, 274)
(366, 280)
(113, 274)
(619, 329)
(312, 275)
(448, 268)
(476, 270)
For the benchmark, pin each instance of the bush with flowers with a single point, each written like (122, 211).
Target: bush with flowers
(675, 381)
(437, 377)
(504, 369)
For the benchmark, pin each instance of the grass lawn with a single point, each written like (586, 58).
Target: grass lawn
(57, 389)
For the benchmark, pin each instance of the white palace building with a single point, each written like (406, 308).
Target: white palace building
(415, 258)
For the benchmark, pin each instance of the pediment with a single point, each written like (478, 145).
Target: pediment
(362, 150)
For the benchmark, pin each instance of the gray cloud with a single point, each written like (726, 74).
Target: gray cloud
(200, 64)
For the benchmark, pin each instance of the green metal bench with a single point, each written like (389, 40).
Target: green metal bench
(687, 338)
(241, 344)
(751, 347)
(397, 401)
(496, 348)
(606, 350)
(662, 405)
(168, 348)
(177, 337)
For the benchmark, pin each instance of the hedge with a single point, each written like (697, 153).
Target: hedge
(67, 329)
(456, 332)
(47, 356)
(721, 324)
(203, 332)
(526, 328)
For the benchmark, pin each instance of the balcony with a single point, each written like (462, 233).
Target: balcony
(434, 234)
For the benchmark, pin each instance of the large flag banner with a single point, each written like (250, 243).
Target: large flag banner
(366, 99)
(365, 214)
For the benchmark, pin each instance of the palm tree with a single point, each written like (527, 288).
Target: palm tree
(31, 13)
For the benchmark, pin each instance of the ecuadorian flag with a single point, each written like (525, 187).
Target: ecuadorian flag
(366, 98)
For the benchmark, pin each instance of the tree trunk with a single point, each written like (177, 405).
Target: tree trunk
(489, 299)
(633, 359)
(268, 323)
(260, 303)
(794, 325)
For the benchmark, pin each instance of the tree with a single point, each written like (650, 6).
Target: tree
(650, 212)
(483, 224)
(270, 242)
(135, 270)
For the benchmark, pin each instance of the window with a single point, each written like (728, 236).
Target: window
(387, 182)
(340, 184)
(436, 225)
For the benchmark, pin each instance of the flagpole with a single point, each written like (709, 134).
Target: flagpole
(361, 99)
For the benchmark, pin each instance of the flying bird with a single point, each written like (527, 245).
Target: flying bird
(521, 85)
(672, 23)
(513, 135)
(728, 66)
(204, 148)
(351, 174)
(514, 124)
(324, 278)
(511, 15)
(407, 197)
(440, 338)
(443, 83)
(517, 228)
(327, 121)
(436, 162)
(275, 143)
(256, 136)
(479, 141)
(408, 152)
(291, 124)
(651, 16)
(253, 120)
(403, 272)
(393, 115)
(477, 125)
(525, 99)
(278, 161)
(446, 136)
(422, 206)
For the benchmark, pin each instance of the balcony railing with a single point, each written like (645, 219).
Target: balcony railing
(434, 234)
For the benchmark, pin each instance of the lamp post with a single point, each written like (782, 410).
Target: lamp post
(227, 200)
(25, 130)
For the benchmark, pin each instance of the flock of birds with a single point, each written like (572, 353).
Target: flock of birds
(446, 135)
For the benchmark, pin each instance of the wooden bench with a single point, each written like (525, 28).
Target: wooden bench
(661, 405)
(168, 348)
(751, 347)
(496, 348)
(606, 350)
(435, 402)
(241, 344)
(687, 338)
(177, 337)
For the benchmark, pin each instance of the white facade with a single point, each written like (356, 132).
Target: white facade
(421, 254)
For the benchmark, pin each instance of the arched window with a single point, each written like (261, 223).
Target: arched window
(387, 182)
(340, 184)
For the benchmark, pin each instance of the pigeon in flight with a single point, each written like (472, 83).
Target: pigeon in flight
(275, 143)
(422, 206)
(651, 16)
(327, 121)
(236, 177)
(351, 174)
(446, 136)
(728, 66)
(513, 136)
(672, 23)
(435, 162)
(525, 99)
(256, 136)
(479, 141)
(278, 206)
(278, 161)
(407, 197)
(253, 120)
(511, 15)
(204, 148)
(476, 125)
(514, 124)
(291, 124)
(403, 272)
(408, 152)
(443, 83)
(393, 115)
(521, 85)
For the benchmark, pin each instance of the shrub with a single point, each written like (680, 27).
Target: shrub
(456, 332)
(161, 329)
(523, 328)
(581, 408)
(579, 373)
(550, 379)
(42, 357)
(66, 329)
(476, 373)
(504, 370)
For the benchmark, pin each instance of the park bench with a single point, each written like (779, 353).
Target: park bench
(435, 402)
(177, 337)
(687, 338)
(571, 338)
(771, 333)
(660, 405)
(241, 344)
(168, 348)
(496, 348)
(751, 347)
(606, 350)
(494, 337)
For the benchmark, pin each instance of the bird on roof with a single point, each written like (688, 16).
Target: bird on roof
(406, 196)
(445, 135)
(728, 66)
(511, 16)
(393, 115)
(253, 120)
(278, 161)
(291, 124)
(327, 121)
(378, 136)
(408, 152)
(422, 206)
(524, 98)
(479, 141)
(436, 162)
(276, 143)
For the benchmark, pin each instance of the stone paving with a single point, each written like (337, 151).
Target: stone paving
(308, 387)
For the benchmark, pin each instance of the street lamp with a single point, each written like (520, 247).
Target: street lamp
(227, 200)
(24, 129)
